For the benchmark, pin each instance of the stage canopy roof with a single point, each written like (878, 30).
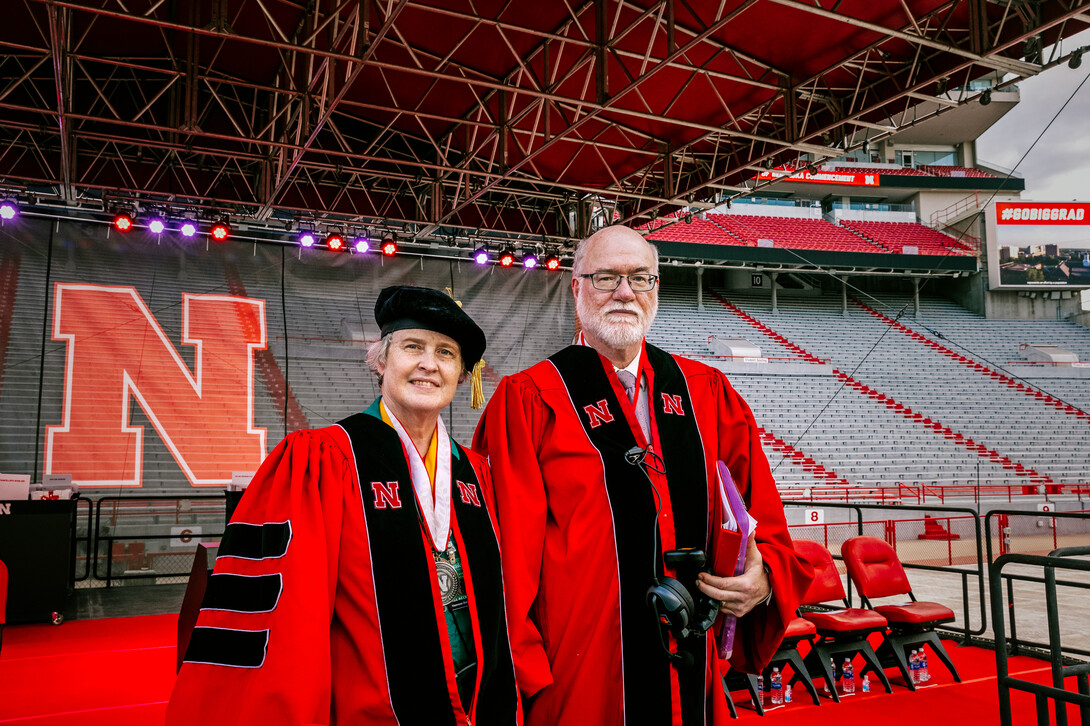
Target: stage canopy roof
(458, 121)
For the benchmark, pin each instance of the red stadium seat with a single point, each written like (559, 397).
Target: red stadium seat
(876, 571)
(840, 630)
(3, 599)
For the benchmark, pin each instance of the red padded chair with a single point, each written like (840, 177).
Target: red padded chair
(3, 599)
(798, 630)
(840, 631)
(877, 572)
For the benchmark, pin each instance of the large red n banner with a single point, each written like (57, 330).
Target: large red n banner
(118, 353)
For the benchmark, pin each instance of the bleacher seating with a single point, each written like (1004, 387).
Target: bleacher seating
(956, 171)
(939, 388)
(897, 171)
(819, 428)
(793, 233)
(896, 235)
(700, 231)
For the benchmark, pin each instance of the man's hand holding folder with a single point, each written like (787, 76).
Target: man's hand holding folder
(737, 577)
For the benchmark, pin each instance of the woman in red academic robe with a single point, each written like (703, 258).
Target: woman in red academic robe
(359, 579)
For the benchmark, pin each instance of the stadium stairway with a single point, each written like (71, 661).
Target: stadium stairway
(782, 340)
(287, 406)
(1030, 391)
(801, 459)
(947, 433)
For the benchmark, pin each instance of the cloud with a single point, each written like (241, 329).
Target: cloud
(1058, 164)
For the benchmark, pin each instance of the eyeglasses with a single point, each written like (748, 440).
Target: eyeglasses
(610, 281)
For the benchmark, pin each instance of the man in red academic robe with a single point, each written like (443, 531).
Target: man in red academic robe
(604, 459)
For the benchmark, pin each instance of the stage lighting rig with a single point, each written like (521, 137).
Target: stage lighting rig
(335, 242)
(156, 225)
(361, 244)
(8, 209)
(307, 238)
(552, 263)
(1076, 59)
(122, 222)
(188, 228)
(220, 231)
(529, 260)
(480, 256)
(507, 258)
(389, 245)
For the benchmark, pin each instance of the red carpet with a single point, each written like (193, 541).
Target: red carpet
(113, 672)
(119, 672)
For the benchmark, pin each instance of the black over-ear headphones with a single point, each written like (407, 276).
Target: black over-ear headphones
(672, 602)
(669, 600)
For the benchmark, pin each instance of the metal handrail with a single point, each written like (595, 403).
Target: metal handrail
(1042, 693)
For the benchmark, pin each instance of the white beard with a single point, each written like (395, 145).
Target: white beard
(616, 333)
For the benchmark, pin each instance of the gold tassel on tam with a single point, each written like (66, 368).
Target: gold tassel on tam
(476, 386)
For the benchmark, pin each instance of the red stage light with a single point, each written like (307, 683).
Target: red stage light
(220, 231)
(507, 258)
(122, 222)
(553, 263)
(335, 242)
(389, 248)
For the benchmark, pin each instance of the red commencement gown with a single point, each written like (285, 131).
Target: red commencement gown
(574, 590)
(324, 607)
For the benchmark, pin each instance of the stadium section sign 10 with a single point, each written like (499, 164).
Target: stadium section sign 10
(821, 177)
(1038, 245)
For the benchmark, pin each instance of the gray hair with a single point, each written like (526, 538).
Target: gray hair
(581, 250)
(377, 352)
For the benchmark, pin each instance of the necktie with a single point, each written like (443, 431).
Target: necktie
(629, 382)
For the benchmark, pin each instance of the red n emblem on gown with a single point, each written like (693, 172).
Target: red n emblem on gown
(598, 413)
(672, 404)
(469, 493)
(386, 494)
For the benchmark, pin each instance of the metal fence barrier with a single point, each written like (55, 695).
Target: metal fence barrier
(1007, 537)
(959, 523)
(133, 537)
(1056, 693)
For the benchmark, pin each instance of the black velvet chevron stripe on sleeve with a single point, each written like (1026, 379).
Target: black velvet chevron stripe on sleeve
(255, 541)
(225, 647)
(243, 593)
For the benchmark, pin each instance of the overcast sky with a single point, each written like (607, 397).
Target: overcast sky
(1058, 167)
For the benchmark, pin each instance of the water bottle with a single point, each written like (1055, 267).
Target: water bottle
(924, 675)
(775, 684)
(761, 690)
(865, 685)
(914, 666)
(787, 697)
(849, 677)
